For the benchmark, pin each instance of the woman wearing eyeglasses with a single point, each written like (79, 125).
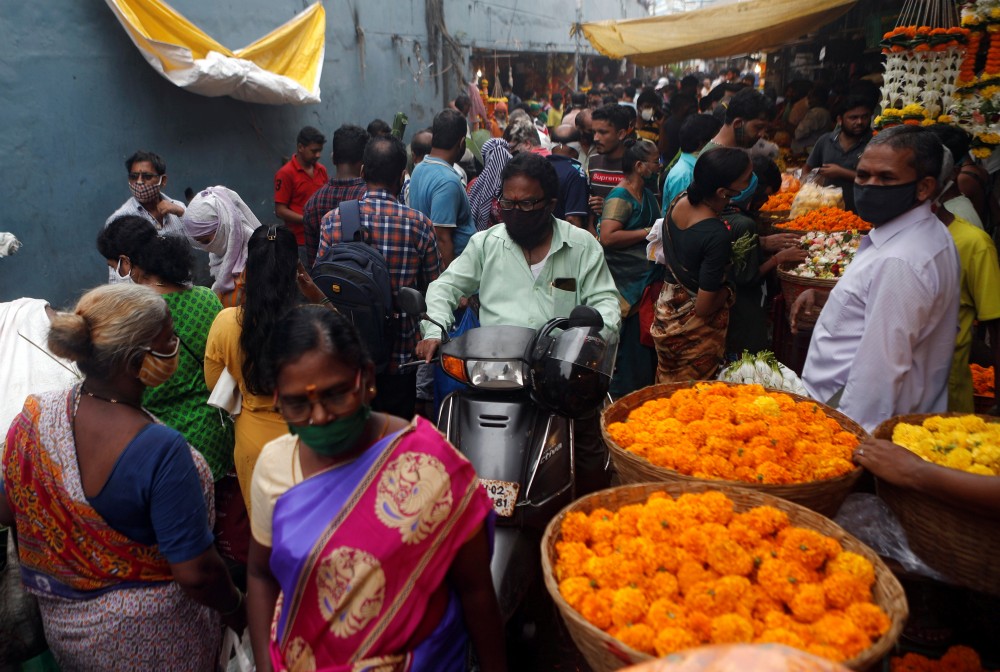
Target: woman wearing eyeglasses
(113, 510)
(629, 212)
(370, 540)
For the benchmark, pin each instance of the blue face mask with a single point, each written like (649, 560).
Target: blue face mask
(744, 196)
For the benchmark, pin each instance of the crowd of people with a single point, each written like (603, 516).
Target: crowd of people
(251, 434)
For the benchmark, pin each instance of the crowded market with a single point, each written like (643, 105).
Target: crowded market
(667, 346)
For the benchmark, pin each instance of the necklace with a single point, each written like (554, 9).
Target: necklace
(110, 400)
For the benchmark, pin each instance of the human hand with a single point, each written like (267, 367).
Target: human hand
(307, 287)
(834, 171)
(779, 241)
(791, 254)
(165, 207)
(596, 204)
(890, 462)
(427, 347)
(804, 305)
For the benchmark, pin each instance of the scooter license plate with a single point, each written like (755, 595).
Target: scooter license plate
(503, 494)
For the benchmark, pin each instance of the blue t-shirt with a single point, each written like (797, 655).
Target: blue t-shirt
(436, 190)
(154, 496)
(572, 187)
(678, 179)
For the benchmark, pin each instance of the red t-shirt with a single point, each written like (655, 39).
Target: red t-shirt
(293, 186)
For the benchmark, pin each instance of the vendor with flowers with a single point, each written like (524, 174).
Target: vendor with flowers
(835, 155)
(884, 341)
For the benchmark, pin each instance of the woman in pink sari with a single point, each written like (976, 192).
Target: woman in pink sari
(370, 533)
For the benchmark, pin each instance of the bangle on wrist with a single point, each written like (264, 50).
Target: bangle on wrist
(239, 603)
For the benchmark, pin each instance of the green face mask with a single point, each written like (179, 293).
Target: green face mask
(334, 438)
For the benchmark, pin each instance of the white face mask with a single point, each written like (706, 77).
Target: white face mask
(116, 278)
(647, 114)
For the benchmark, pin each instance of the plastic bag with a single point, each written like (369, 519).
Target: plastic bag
(654, 248)
(872, 521)
(236, 654)
(813, 196)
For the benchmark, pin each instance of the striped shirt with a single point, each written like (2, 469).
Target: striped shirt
(405, 237)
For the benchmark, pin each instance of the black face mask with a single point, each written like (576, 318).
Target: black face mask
(878, 203)
(528, 229)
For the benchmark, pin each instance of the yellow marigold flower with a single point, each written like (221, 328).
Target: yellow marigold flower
(808, 604)
(639, 636)
(852, 563)
(731, 629)
(576, 527)
(959, 458)
(781, 636)
(671, 640)
(982, 470)
(628, 606)
(842, 590)
(728, 557)
(575, 589)
(870, 618)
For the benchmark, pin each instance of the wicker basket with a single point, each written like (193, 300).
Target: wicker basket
(822, 496)
(793, 285)
(604, 653)
(962, 545)
(982, 403)
(768, 219)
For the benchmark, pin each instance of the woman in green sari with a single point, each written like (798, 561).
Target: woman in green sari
(629, 212)
(164, 264)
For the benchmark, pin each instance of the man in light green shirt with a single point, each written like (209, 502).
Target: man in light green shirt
(530, 269)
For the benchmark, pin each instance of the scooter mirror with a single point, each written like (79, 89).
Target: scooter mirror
(411, 301)
(585, 316)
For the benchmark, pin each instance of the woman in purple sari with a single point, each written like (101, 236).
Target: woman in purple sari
(370, 533)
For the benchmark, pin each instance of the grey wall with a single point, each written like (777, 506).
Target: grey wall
(77, 98)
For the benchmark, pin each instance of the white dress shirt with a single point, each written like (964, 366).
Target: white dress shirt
(887, 332)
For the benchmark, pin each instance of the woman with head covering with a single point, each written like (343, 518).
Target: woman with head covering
(219, 222)
(113, 510)
(485, 189)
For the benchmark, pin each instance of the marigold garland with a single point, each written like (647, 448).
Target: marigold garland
(956, 659)
(983, 380)
(737, 433)
(827, 220)
(967, 442)
(801, 589)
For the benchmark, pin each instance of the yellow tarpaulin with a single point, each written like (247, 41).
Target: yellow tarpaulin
(725, 30)
(284, 66)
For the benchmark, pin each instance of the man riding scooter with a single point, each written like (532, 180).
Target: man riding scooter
(533, 268)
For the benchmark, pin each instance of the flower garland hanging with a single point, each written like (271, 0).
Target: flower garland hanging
(977, 95)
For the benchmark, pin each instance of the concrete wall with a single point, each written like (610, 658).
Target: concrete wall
(78, 98)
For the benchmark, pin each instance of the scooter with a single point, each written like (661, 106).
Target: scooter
(513, 421)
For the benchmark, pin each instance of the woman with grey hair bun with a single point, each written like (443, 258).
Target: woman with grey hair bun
(113, 510)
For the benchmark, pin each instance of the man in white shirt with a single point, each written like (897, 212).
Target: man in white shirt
(884, 341)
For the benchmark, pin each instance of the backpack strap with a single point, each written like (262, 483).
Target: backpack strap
(350, 221)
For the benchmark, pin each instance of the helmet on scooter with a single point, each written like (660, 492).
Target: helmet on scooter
(571, 372)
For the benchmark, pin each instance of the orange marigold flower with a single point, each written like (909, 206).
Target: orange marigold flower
(692, 573)
(781, 579)
(662, 585)
(665, 613)
(603, 526)
(639, 636)
(572, 557)
(700, 625)
(628, 606)
(824, 651)
(961, 659)
(808, 604)
(852, 563)
(842, 634)
(870, 618)
(596, 608)
(671, 640)
(628, 519)
(731, 629)
(765, 520)
(575, 589)
(728, 557)
(842, 590)
(806, 547)
(770, 472)
(781, 636)
(602, 570)
(576, 527)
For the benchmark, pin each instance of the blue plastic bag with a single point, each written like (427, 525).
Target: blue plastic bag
(443, 383)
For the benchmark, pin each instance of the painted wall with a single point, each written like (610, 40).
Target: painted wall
(78, 99)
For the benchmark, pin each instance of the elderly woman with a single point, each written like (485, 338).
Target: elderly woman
(113, 510)
(219, 222)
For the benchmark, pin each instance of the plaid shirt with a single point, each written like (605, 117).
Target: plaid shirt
(405, 237)
(327, 198)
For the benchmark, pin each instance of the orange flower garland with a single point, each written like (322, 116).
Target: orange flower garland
(982, 380)
(681, 573)
(827, 220)
(780, 201)
(967, 71)
(956, 659)
(737, 433)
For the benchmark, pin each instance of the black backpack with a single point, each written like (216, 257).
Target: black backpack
(355, 277)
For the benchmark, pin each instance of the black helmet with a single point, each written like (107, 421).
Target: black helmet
(571, 372)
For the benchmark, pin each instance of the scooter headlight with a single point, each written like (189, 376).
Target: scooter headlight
(496, 374)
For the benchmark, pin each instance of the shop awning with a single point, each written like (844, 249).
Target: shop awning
(283, 67)
(724, 30)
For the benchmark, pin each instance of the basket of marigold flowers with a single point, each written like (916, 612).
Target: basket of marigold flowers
(645, 570)
(955, 659)
(780, 443)
(962, 544)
